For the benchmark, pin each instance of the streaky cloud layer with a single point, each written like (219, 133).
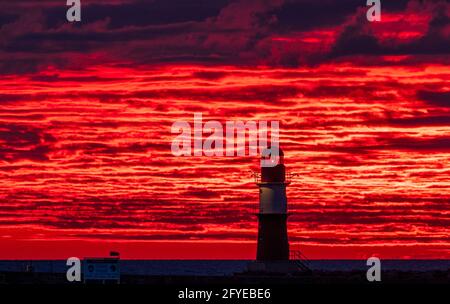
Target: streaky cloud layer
(86, 112)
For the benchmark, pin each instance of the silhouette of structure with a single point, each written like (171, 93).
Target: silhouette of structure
(273, 244)
(273, 255)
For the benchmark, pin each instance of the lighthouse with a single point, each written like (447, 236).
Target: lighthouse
(273, 244)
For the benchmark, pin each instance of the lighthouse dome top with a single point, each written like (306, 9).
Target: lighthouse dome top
(273, 155)
(267, 152)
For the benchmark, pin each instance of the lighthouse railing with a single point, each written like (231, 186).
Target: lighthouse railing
(289, 177)
(256, 176)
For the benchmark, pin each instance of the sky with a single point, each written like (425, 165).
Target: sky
(86, 111)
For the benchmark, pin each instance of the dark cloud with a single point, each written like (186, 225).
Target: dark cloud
(139, 13)
(310, 14)
(206, 32)
(357, 38)
(208, 75)
(432, 145)
(96, 149)
(159, 12)
(342, 217)
(7, 18)
(5, 98)
(439, 99)
(441, 120)
(23, 142)
(301, 15)
(365, 90)
(388, 142)
(201, 193)
(437, 38)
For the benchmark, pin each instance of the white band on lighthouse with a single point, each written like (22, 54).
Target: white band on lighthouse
(272, 198)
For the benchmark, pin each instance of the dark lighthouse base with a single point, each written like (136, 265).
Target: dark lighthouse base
(273, 242)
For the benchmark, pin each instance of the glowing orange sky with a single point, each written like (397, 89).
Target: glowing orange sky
(91, 160)
(85, 159)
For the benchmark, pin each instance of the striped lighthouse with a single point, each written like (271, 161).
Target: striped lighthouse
(273, 244)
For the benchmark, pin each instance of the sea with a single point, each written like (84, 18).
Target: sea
(220, 267)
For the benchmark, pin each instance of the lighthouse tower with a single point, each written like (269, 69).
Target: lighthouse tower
(273, 242)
